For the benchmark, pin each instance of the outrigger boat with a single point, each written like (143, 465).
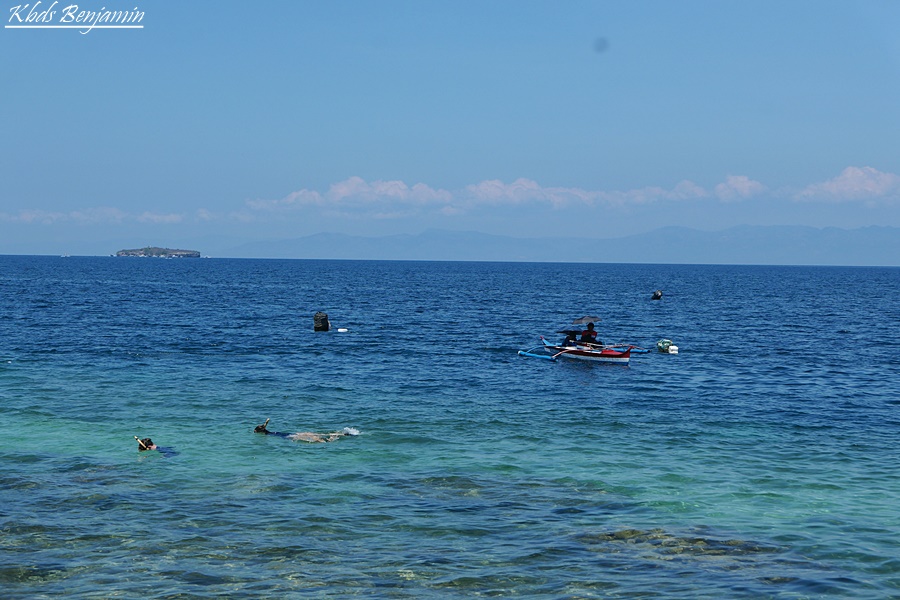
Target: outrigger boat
(619, 354)
(584, 348)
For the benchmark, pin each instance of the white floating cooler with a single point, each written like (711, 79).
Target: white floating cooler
(667, 347)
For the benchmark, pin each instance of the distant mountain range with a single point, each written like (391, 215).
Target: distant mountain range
(782, 245)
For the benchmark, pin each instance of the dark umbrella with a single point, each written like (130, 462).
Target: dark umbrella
(584, 320)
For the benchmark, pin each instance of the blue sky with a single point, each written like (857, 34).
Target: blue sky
(279, 119)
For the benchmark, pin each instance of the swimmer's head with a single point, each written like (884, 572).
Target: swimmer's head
(145, 444)
(261, 429)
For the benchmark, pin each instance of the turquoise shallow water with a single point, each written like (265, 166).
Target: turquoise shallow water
(761, 461)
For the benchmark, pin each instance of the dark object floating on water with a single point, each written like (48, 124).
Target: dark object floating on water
(320, 322)
(657, 295)
(157, 252)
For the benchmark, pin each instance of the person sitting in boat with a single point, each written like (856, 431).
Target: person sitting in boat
(589, 335)
(308, 436)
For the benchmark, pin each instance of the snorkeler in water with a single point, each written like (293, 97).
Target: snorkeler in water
(308, 436)
(147, 444)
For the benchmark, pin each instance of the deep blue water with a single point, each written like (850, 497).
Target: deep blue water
(761, 461)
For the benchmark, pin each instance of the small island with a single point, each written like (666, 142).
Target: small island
(156, 252)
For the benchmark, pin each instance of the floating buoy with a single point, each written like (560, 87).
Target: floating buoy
(343, 330)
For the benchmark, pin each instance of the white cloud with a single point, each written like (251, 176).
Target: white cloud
(357, 197)
(684, 190)
(495, 191)
(242, 216)
(149, 217)
(357, 190)
(301, 198)
(376, 199)
(391, 199)
(103, 215)
(854, 184)
(521, 191)
(528, 191)
(738, 187)
(294, 199)
(42, 217)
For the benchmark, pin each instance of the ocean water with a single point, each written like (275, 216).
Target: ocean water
(759, 462)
